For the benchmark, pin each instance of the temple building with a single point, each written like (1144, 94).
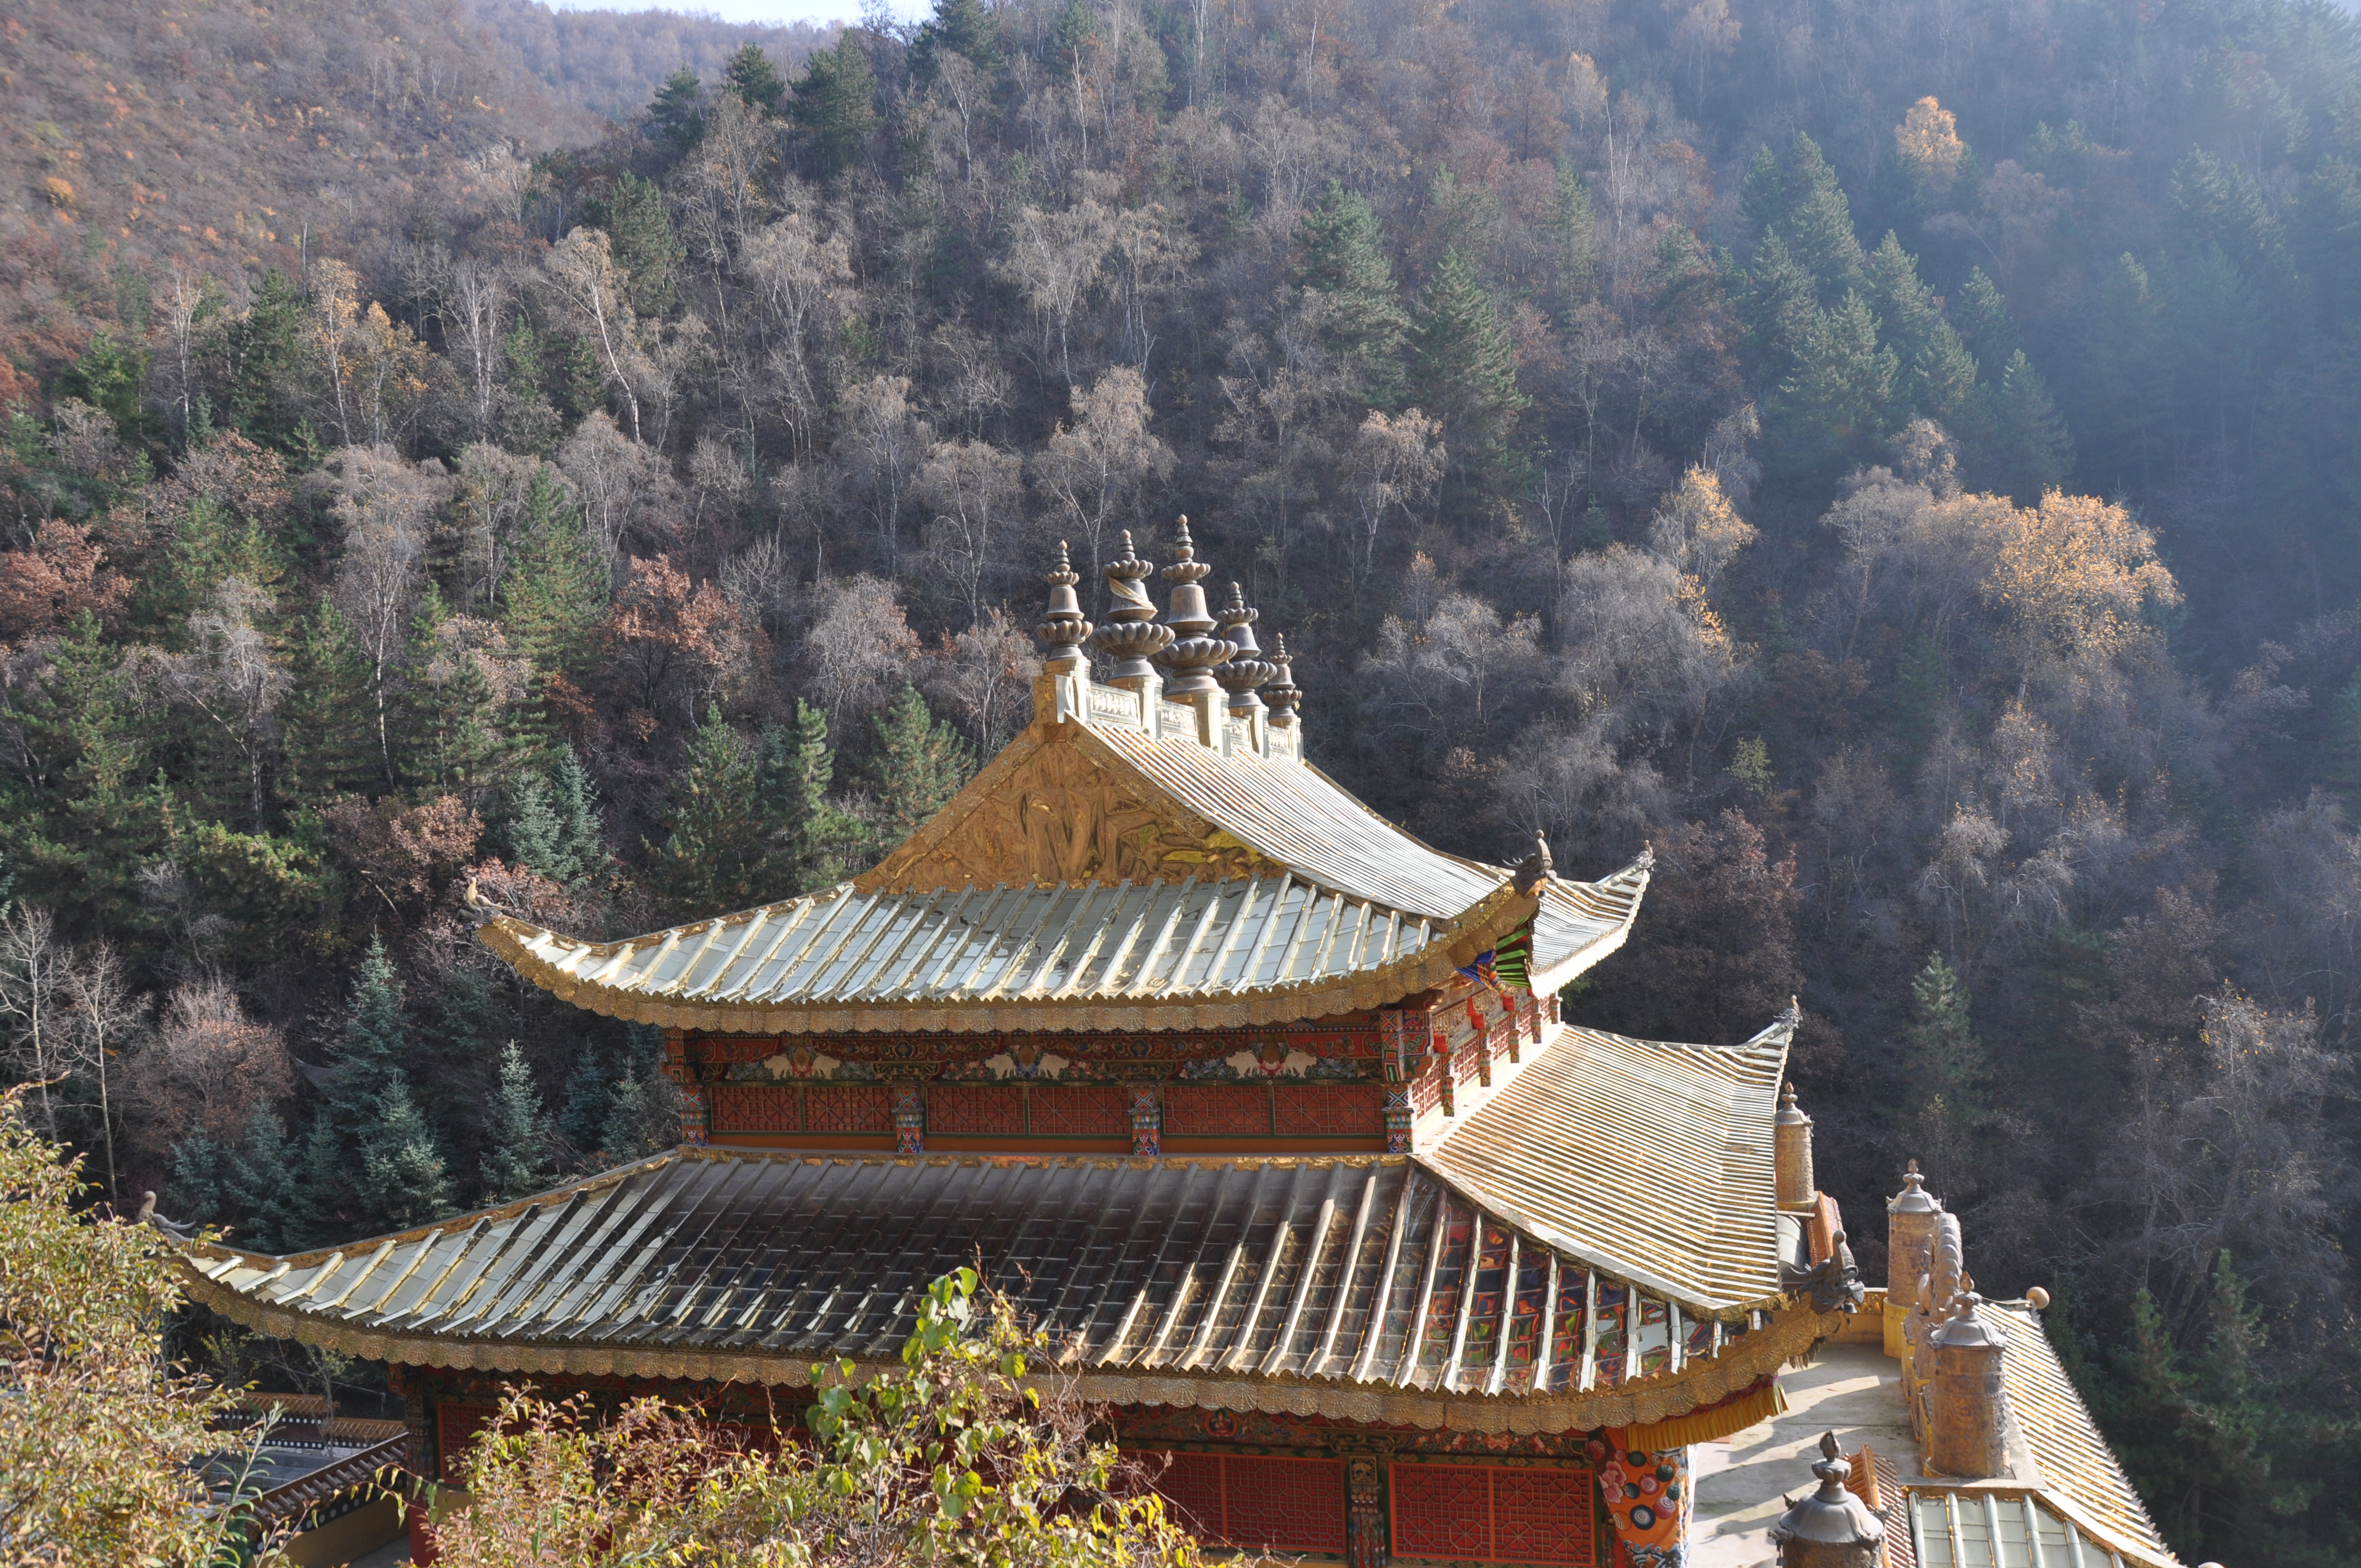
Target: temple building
(1265, 1108)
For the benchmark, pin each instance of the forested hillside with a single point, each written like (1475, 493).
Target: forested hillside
(1895, 459)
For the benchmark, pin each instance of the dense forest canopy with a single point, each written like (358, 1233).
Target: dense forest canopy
(1895, 459)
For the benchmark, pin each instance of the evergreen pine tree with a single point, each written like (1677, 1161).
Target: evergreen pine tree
(920, 764)
(581, 847)
(677, 115)
(556, 587)
(629, 1132)
(1780, 314)
(1578, 239)
(401, 1181)
(331, 747)
(588, 1091)
(1463, 369)
(718, 855)
(751, 78)
(1949, 1077)
(527, 833)
(78, 811)
(965, 28)
(194, 1192)
(454, 738)
(2029, 453)
(514, 1160)
(1981, 316)
(2122, 378)
(1937, 379)
(1362, 320)
(813, 840)
(265, 349)
(1835, 410)
(834, 105)
(1762, 198)
(380, 1145)
(258, 1182)
(640, 238)
(1817, 222)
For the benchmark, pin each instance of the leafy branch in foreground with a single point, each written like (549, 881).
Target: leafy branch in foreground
(955, 1459)
(105, 1447)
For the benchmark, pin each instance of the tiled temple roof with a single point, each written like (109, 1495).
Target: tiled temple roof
(1183, 955)
(1366, 1287)
(1655, 1156)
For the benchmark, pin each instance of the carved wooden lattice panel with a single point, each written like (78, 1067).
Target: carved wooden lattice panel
(1257, 1504)
(848, 1108)
(1081, 1111)
(755, 1108)
(977, 1108)
(1330, 1109)
(1542, 1515)
(1494, 1514)
(456, 1426)
(1217, 1109)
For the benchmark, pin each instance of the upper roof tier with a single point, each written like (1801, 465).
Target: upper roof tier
(1125, 862)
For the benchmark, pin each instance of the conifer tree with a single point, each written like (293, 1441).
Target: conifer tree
(965, 28)
(919, 764)
(1762, 197)
(1983, 318)
(834, 105)
(1949, 1077)
(331, 747)
(1937, 375)
(2030, 452)
(717, 854)
(1577, 238)
(629, 1132)
(589, 1089)
(514, 1162)
(1816, 221)
(80, 813)
(552, 826)
(1836, 407)
(454, 738)
(1464, 367)
(380, 1146)
(752, 78)
(813, 840)
(677, 115)
(640, 238)
(1780, 312)
(556, 587)
(1344, 264)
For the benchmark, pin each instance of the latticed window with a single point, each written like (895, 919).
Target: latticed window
(1254, 1503)
(1488, 1513)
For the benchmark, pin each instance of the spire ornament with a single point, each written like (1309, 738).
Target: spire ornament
(1130, 635)
(1189, 659)
(1064, 629)
(1246, 668)
(1280, 693)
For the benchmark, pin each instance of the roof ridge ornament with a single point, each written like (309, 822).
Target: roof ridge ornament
(1189, 658)
(1280, 693)
(1536, 868)
(1130, 634)
(1064, 629)
(1246, 668)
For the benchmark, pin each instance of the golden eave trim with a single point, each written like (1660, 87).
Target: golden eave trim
(1483, 925)
(1758, 1355)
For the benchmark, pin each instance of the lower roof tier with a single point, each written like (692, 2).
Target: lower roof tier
(1364, 1289)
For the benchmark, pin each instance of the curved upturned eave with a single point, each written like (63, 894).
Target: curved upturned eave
(522, 946)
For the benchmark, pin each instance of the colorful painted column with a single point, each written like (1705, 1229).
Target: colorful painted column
(1147, 1119)
(909, 1119)
(1647, 1496)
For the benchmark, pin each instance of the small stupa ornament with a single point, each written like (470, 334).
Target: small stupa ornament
(1189, 659)
(1280, 694)
(1246, 668)
(1130, 635)
(1064, 629)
